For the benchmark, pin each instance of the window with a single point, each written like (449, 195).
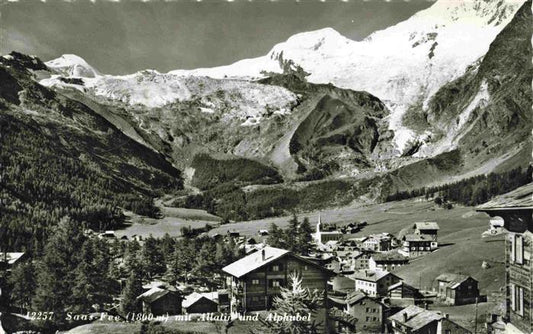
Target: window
(517, 299)
(255, 299)
(517, 249)
(255, 282)
(367, 309)
(275, 268)
(276, 283)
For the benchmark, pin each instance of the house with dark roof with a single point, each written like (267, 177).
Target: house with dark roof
(388, 261)
(516, 210)
(374, 282)
(256, 279)
(160, 301)
(457, 289)
(417, 320)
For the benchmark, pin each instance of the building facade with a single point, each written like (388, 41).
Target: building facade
(374, 283)
(255, 280)
(456, 289)
(516, 209)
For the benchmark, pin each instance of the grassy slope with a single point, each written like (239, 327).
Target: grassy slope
(461, 230)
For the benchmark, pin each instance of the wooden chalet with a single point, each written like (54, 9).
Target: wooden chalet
(255, 280)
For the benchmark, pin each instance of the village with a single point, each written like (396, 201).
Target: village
(358, 275)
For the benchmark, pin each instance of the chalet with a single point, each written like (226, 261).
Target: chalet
(160, 301)
(256, 279)
(415, 245)
(374, 282)
(388, 261)
(427, 228)
(516, 210)
(416, 320)
(206, 302)
(456, 289)
(405, 292)
(370, 312)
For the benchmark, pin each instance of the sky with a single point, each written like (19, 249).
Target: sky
(128, 36)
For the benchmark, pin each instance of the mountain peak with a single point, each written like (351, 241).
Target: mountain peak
(73, 66)
(321, 40)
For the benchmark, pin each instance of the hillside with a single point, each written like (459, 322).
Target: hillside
(60, 158)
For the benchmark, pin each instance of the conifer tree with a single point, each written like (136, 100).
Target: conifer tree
(293, 301)
(152, 259)
(132, 290)
(56, 269)
(22, 284)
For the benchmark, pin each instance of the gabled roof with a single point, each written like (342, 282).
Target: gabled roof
(194, 297)
(453, 280)
(426, 226)
(417, 317)
(354, 297)
(261, 258)
(254, 261)
(520, 198)
(371, 275)
(153, 294)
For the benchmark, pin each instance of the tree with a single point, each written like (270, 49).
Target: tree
(22, 284)
(182, 260)
(205, 261)
(56, 269)
(132, 290)
(152, 259)
(304, 239)
(276, 237)
(295, 301)
(92, 284)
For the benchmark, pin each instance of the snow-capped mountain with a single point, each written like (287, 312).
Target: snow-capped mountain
(72, 66)
(403, 65)
(238, 111)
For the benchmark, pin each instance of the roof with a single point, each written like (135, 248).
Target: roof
(194, 297)
(153, 294)
(520, 198)
(354, 297)
(453, 280)
(417, 317)
(418, 237)
(370, 275)
(256, 260)
(11, 257)
(393, 256)
(426, 226)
